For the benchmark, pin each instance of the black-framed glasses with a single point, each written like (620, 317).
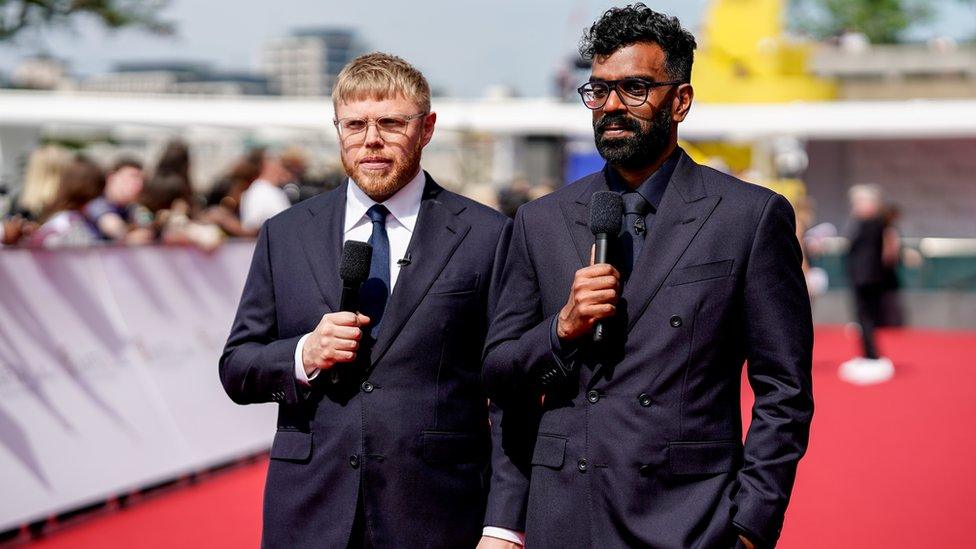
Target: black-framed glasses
(632, 92)
(389, 126)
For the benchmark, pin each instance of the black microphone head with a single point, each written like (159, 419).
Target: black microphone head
(356, 259)
(606, 212)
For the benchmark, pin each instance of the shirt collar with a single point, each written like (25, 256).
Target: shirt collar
(652, 189)
(404, 206)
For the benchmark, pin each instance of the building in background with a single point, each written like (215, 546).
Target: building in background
(938, 69)
(307, 62)
(41, 72)
(164, 77)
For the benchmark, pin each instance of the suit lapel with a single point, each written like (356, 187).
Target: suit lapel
(321, 237)
(437, 235)
(577, 216)
(684, 209)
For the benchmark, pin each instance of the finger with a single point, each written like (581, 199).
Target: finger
(342, 318)
(362, 319)
(599, 283)
(598, 311)
(345, 344)
(600, 269)
(342, 356)
(347, 332)
(600, 297)
(592, 254)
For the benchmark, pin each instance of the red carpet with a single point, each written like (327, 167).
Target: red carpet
(892, 465)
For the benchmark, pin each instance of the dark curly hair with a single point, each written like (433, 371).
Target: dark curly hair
(620, 27)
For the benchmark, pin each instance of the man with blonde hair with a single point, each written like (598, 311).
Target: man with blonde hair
(383, 436)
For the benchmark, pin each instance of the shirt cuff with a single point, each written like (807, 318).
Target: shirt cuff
(559, 352)
(505, 534)
(300, 374)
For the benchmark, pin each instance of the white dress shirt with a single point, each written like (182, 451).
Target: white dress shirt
(261, 201)
(404, 208)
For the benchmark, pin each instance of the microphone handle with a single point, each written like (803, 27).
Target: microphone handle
(600, 254)
(349, 301)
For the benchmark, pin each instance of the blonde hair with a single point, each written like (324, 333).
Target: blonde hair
(43, 178)
(381, 76)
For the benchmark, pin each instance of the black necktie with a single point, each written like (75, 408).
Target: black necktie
(636, 209)
(376, 290)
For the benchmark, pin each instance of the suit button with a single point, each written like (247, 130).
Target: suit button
(367, 387)
(354, 461)
(644, 400)
(581, 465)
(676, 321)
(593, 397)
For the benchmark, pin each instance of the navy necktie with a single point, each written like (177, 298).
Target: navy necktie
(636, 209)
(375, 292)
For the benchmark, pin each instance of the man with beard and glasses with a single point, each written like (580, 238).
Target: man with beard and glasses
(636, 441)
(383, 433)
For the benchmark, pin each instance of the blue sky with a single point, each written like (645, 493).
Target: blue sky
(462, 46)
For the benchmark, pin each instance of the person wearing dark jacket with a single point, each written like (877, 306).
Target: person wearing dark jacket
(637, 441)
(383, 436)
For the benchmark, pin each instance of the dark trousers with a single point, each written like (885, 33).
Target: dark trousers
(867, 304)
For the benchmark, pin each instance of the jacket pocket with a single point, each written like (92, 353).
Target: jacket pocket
(550, 451)
(455, 285)
(292, 446)
(697, 273)
(451, 447)
(703, 458)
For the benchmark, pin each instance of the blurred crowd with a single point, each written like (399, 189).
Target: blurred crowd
(67, 199)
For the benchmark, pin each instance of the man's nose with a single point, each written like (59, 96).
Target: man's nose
(373, 137)
(614, 103)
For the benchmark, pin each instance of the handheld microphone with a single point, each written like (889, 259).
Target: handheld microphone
(353, 270)
(606, 215)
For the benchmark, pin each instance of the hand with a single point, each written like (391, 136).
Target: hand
(488, 542)
(13, 229)
(334, 340)
(593, 297)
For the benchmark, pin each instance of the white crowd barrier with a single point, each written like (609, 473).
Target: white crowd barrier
(108, 373)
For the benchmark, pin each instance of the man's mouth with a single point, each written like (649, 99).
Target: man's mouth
(375, 163)
(615, 131)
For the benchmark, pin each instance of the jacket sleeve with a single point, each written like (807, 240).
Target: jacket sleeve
(257, 366)
(509, 483)
(779, 347)
(519, 344)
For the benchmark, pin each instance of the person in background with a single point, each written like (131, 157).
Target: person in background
(41, 180)
(175, 160)
(892, 314)
(64, 224)
(866, 273)
(225, 198)
(165, 197)
(265, 197)
(112, 213)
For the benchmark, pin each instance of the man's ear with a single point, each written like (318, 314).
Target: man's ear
(429, 121)
(681, 105)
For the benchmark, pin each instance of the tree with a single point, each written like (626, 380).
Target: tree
(17, 16)
(882, 21)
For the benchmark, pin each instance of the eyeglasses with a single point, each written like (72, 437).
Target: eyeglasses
(389, 126)
(631, 91)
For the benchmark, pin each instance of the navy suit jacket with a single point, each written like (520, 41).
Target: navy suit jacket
(643, 447)
(407, 425)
